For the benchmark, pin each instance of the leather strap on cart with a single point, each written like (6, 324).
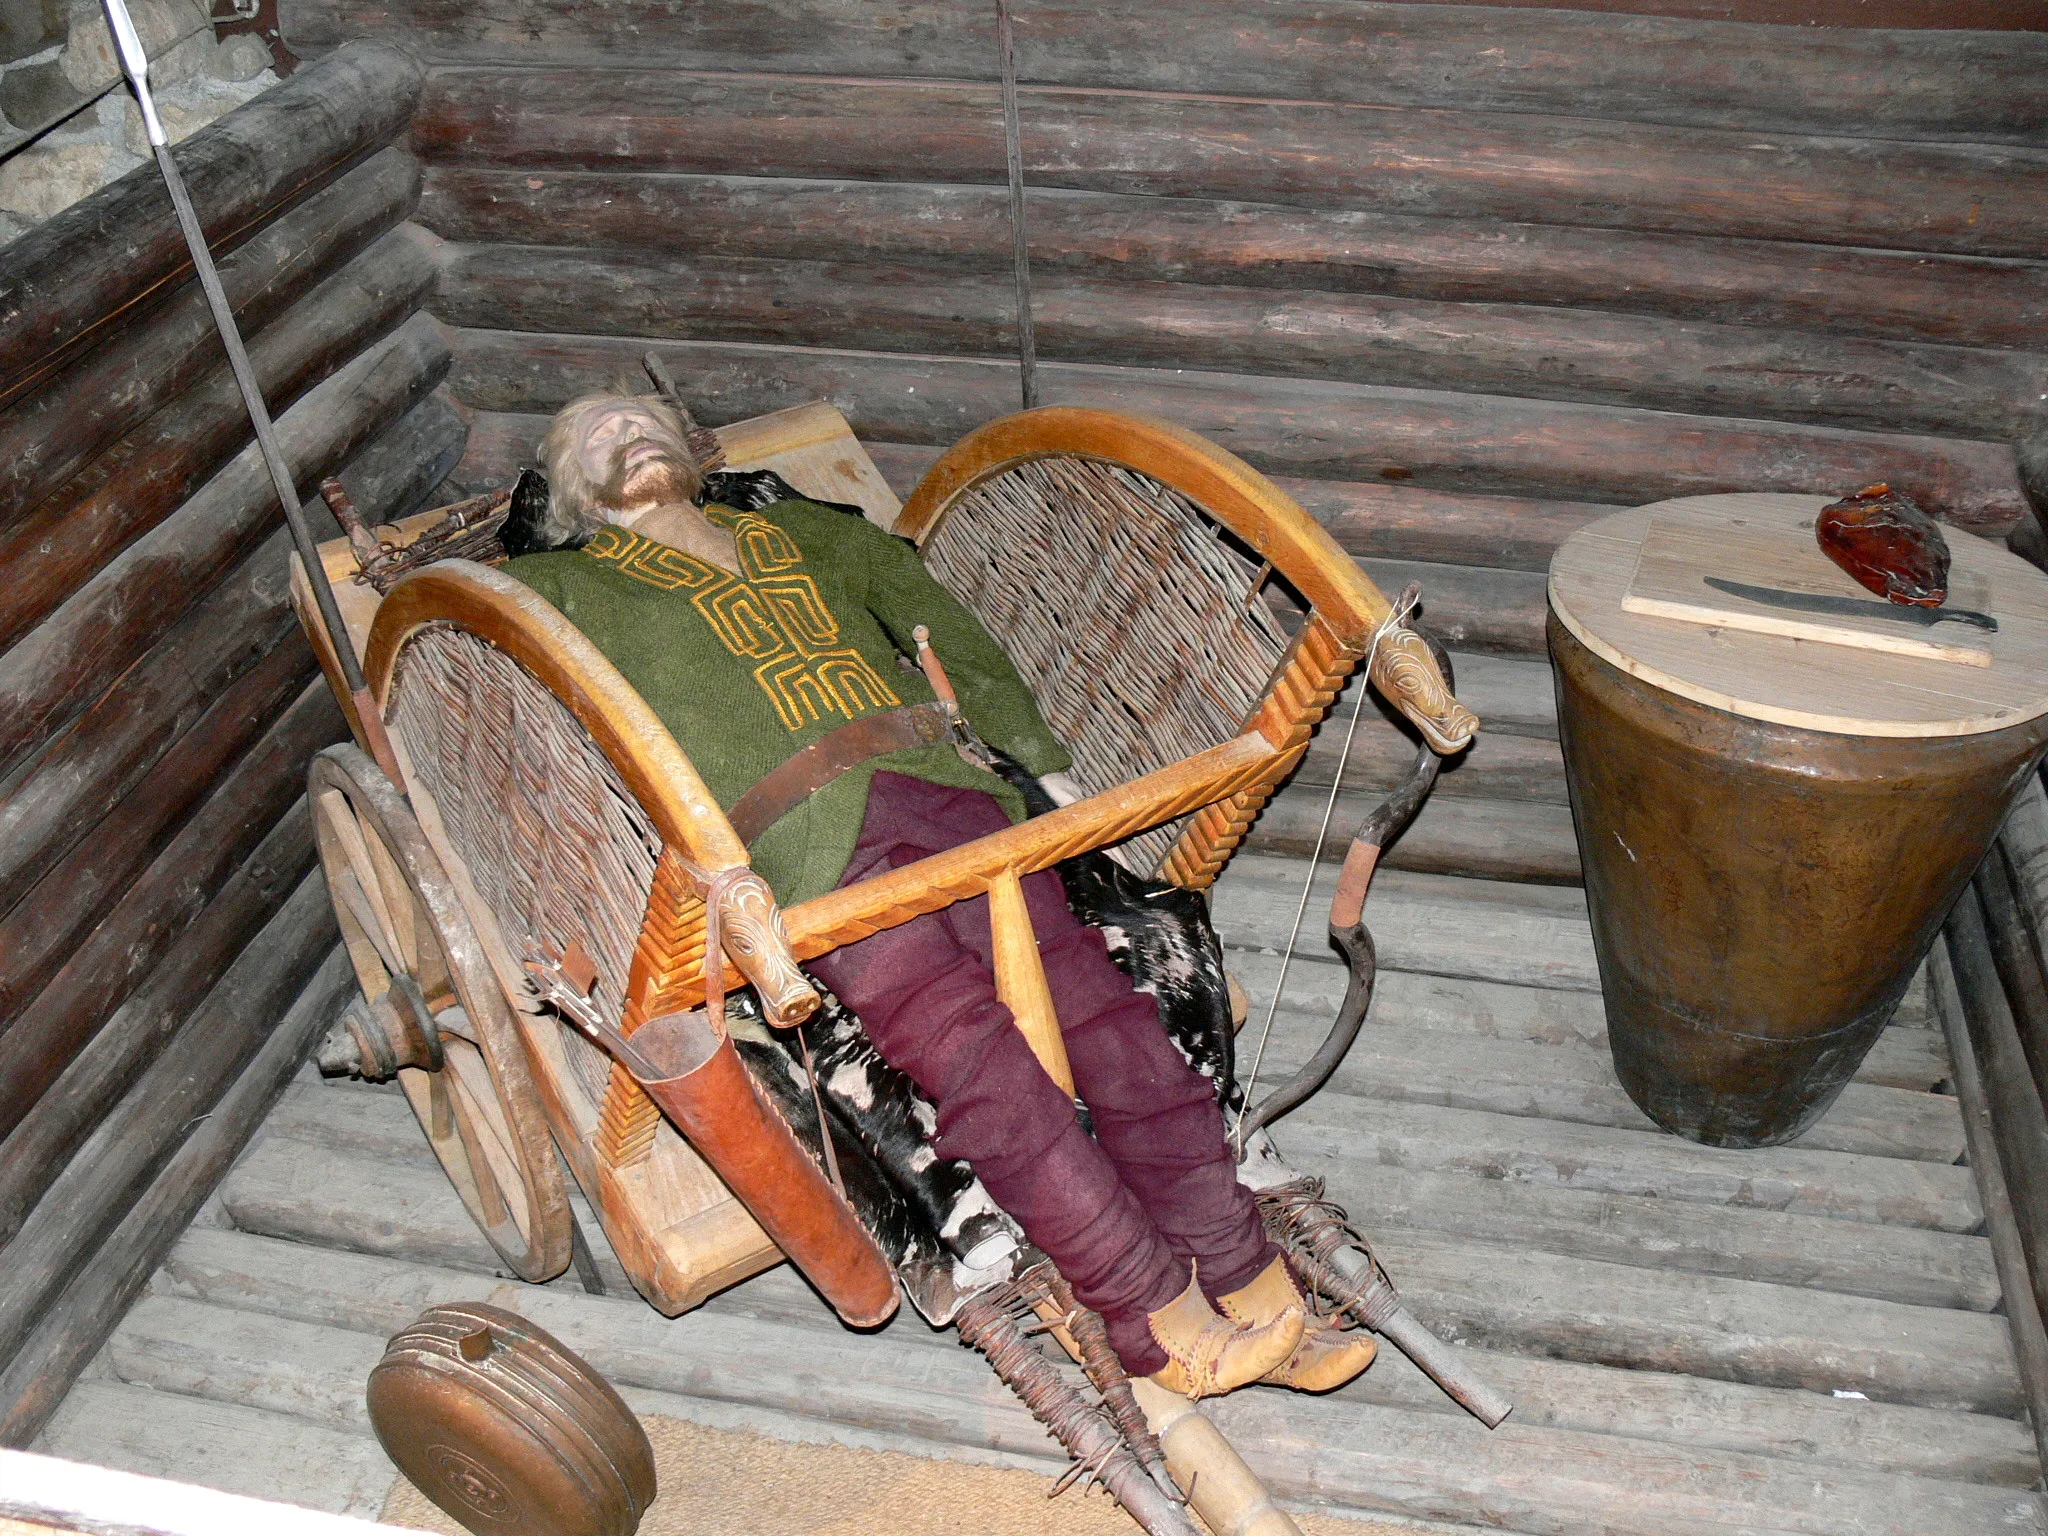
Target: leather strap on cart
(782, 789)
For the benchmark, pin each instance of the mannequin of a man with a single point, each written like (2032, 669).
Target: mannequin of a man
(754, 635)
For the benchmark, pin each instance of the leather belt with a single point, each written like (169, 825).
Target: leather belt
(782, 789)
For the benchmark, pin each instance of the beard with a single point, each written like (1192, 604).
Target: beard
(664, 481)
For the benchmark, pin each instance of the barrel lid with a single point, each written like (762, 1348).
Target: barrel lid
(1788, 679)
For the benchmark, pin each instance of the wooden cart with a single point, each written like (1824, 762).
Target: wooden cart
(1134, 573)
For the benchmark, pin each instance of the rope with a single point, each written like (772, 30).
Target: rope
(1395, 616)
(1013, 152)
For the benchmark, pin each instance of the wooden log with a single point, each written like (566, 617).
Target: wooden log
(1470, 1143)
(404, 1210)
(2016, 1118)
(49, 436)
(1440, 440)
(1415, 1458)
(2024, 844)
(258, 1277)
(79, 1321)
(2002, 1230)
(1969, 301)
(39, 934)
(1901, 1264)
(1487, 839)
(1972, 199)
(167, 458)
(1494, 767)
(100, 977)
(1892, 1263)
(2016, 951)
(1529, 351)
(1907, 1055)
(1488, 930)
(86, 1196)
(87, 272)
(280, 1366)
(1660, 70)
(222, 1445)
(1578, 1087)
(131, 1044)
(116, 617)
(58, 795)
(403, 466)
(1984, 15)
(1703, 1325)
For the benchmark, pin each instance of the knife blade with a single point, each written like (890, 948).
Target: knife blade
(1851, 607)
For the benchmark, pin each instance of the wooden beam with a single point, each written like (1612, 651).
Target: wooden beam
(400, 471)
(1529, 351)
(1483, 838)
(1494, 767)
(1967, 300)
(1440, 440)
(60, 794)
(107, 1123)
(1978, 15)
(48, 437)
(1578, 1087)
(43, 928)
(79, 1321)
(141, 480)
(2008, 1246)
(69, 660)
(1701, 73)
(2016, 1119)
(50, 1027)
(1972, 199)
(1470, 1143)
(1646, 1451)
(85, 274)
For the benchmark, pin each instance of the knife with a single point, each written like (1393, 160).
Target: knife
(1851, 607)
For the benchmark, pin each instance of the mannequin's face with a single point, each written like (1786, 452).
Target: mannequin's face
(634, 458)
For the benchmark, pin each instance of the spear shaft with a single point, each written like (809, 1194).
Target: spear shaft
(135, 65)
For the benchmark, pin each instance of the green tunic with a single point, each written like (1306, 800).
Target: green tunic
(746, 670)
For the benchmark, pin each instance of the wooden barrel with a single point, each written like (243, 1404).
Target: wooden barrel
(1775, 808)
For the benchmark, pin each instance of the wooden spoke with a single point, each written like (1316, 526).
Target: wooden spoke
(468, 1079)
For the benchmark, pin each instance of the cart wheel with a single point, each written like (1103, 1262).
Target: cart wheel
(433, 1013)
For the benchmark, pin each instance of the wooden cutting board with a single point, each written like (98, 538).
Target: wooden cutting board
(1680, 553)
(1788, 678)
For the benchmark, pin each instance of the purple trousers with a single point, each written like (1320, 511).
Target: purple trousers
(1121, 1213)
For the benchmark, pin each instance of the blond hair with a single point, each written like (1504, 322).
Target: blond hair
(574, 501)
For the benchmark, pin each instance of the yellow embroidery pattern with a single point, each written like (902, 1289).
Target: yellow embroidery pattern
(773, 616)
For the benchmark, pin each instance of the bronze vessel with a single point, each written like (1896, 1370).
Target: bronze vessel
(1761, 894)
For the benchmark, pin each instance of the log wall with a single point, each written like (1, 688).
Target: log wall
(1461, 277)
(1461, 274)
(158, 911)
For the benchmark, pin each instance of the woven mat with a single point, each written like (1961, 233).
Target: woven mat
(720, 1482)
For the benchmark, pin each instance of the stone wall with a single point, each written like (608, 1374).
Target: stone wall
(68, 123)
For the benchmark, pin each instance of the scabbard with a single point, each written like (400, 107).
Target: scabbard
(696, 1077)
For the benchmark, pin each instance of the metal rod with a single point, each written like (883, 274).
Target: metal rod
(135, 64)
(1013, 153)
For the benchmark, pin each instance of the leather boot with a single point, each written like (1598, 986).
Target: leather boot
(1326, 1356)
(1207, 1354)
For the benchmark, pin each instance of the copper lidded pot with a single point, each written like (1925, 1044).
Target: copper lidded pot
(1773, 826)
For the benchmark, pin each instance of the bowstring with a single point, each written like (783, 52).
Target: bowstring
(1399, 612)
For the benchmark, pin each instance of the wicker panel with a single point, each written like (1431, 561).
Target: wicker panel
(553, 839)
(1136, 625)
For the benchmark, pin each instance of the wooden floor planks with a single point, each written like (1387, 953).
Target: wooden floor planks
(1675, 1322)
